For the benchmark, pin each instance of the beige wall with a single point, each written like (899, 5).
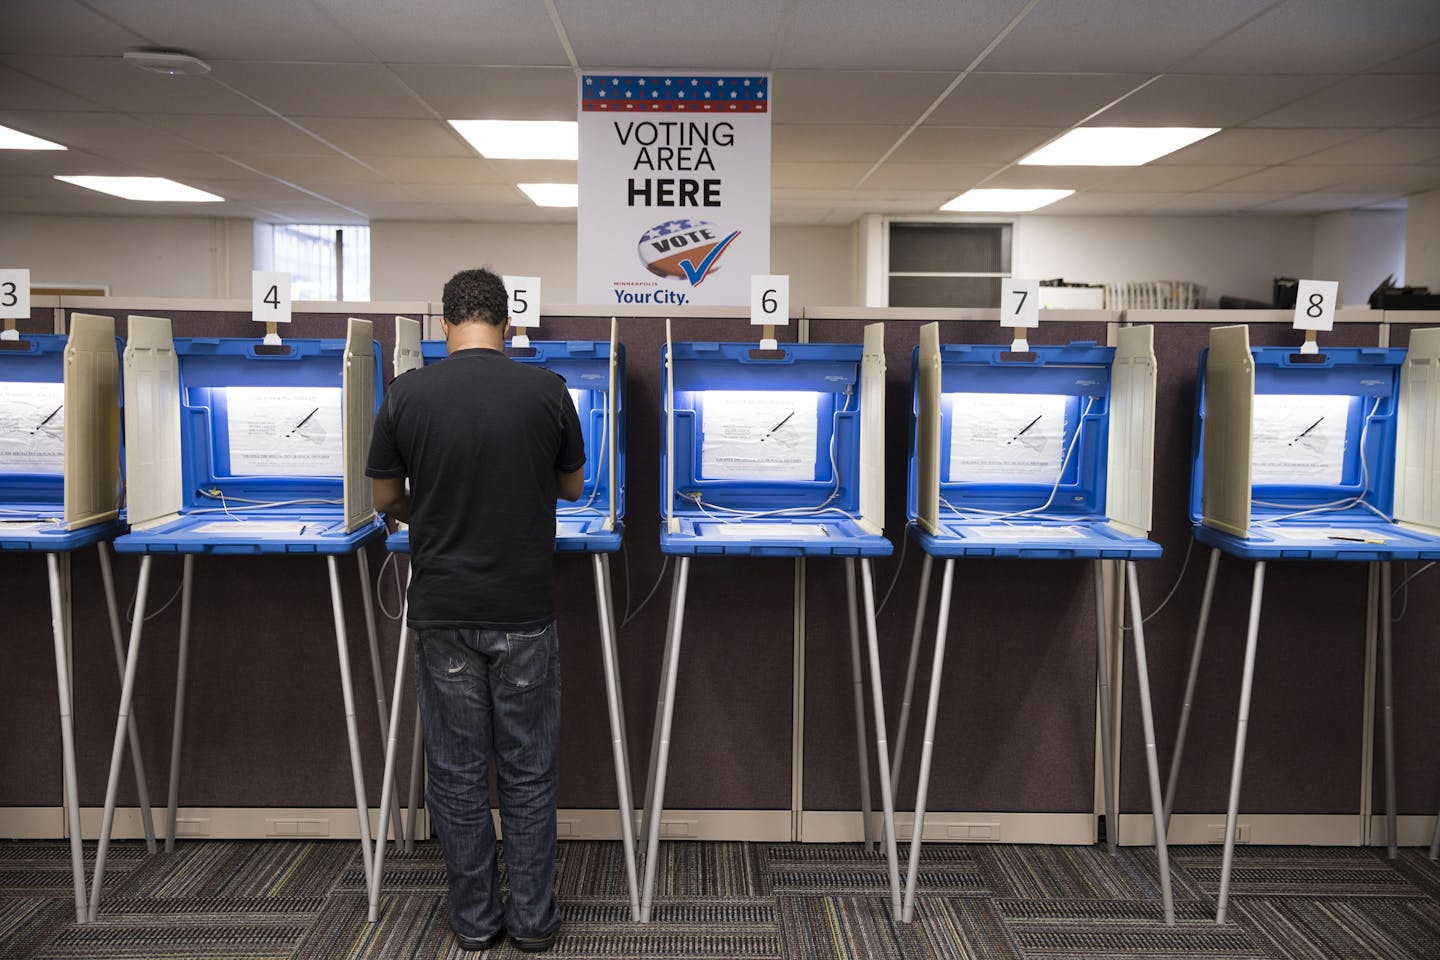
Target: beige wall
(1422, 241)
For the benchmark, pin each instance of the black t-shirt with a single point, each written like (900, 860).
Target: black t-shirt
(480, 438)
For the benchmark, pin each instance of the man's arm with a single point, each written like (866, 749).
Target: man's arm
(570, 485)
(391, 498)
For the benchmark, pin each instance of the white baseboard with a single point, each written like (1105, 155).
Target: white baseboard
(839, 826)
(1413, 831)
(240, 823)
(32, 823)
(1263, 829)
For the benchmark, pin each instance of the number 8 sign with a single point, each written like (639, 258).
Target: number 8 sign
(1315, 305)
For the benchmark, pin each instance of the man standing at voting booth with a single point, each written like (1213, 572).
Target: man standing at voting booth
(487, 445)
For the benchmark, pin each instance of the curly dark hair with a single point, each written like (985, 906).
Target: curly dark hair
(476, 295)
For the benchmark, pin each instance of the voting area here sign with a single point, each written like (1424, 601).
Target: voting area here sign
(674, 188)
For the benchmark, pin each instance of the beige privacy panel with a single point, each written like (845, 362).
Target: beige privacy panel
(872, 430)
(1229, 409)
(92, 421)
(407, 346)
(927, 441)
(1131, 457)
(359, 422)
(1417, 448)
(152, 423)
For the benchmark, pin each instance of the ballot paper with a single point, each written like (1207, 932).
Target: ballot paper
(1017, 531)
(1299, 439)
(768, 531)
(285, 431)
(759, 435)
(260, 528)
(32, 428)
(1006, 437)
(1321, 534)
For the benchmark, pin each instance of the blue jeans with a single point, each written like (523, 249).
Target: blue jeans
(484, 692)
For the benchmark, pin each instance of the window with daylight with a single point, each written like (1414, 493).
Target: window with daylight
(944, 264)
(325, 261)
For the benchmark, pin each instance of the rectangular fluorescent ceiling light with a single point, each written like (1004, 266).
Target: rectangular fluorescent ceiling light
(1004, 201)
(15, 140)
(552, 194)
(143, 188)
(1115, 146)
(522, 139)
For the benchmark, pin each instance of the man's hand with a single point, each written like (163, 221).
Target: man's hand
(570, 485)
(391, 498)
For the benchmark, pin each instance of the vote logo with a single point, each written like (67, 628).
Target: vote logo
(684, 249)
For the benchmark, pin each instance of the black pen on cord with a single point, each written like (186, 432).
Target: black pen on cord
(1024, 428)
(302, 422)
(47, 419)
(778, 425)
(1303, 432)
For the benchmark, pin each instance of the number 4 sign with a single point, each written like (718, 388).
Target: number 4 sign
(270, 296)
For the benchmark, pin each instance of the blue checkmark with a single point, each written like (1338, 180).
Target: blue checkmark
(695, 274)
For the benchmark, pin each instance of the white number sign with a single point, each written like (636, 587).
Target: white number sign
(270, 296)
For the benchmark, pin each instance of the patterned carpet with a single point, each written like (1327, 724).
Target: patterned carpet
(306, 899)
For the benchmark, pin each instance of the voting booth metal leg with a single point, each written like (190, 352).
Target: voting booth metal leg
(857, 677)
(137, 762)
(1387, 687)
(1102, 667)
(617, 731)
(117, 752)
(927, 747)
(882, 746)
(182, 668)
(387, 779)
(660, 745)
(619, 688)
(1200, 628)
(377, 672)
(1232, 812)
(904, 726)
(67, 735)
(417, 760)
(1152, 759)
(342, 648)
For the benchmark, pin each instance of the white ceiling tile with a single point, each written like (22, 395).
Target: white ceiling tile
(929, 176)
(1287, 179)
(1410, 178)
(681, 34)
(366, 137)
(1429, 120)
(1015, 99)
(257, 190)
(536, 171)
(837, 96)
(23, 92)
(62, 28)
(305, 170)
(863, 35)
(1216, 202)
(437, 170)
(932, 144)
(466, 193)
(802, 142)
(248, 135)
(1208, 101)
(1115, 35)
(816, 174)
(451, 31)
(179, 166)
(113, 83)
(1102, 202)
(1047, 178)
(322, 89)
(459, 92)
(787, 216)
(253, 30)
(1252, 145)
(1393, 146)
(1426, 59)
(1373, 100)
(48, 163)
(1322, 202)
(1345, 36)
(1167, 179)
(99, 133)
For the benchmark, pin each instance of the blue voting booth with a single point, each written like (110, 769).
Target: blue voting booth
(1044, 455)
(60, 493)
(772, 453)
(1311, 456)
(236, 446)
(594, 372)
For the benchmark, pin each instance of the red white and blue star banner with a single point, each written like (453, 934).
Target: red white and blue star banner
(674, 188)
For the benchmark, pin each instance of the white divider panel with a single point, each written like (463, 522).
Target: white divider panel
(359, 421)
(1131, 458)
(92, 421)
(152, 423)
(407, 346)
(1230, 403)
(1417, 449)
(872, 430)
(927, 443)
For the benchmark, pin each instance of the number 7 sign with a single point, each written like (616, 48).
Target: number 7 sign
(1019, 303)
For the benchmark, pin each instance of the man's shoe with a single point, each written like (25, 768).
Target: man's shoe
(536, 944)
(480, 944)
